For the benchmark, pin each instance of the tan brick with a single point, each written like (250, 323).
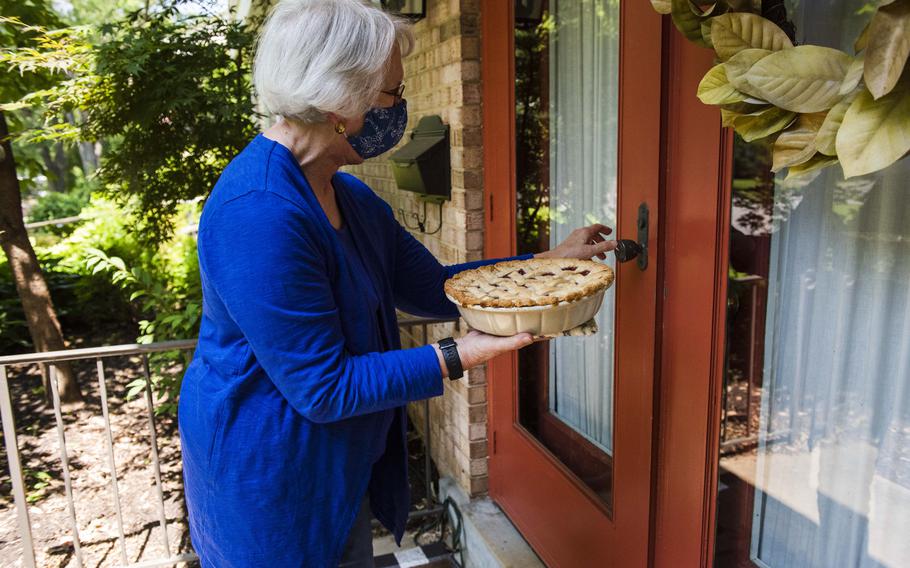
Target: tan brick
(477, 413)
(478, 449)
(472, 157)
(478, 467)
(477, 431)
(474, 255)
(476, 394)
(479, 486)
(470, 47)
(472, 179)
(474, 241)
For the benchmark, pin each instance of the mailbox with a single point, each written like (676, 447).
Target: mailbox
(423, 165)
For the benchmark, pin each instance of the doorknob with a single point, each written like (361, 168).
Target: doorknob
(627, 249)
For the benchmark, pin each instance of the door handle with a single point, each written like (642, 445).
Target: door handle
(627, 249)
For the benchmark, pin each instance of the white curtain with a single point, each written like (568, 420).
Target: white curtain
(584, 74)
(833, 475)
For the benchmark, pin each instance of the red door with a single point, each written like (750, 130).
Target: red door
(572, 122)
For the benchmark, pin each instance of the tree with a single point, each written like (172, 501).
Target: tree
(43, 325)
(169, 93)
(174, 91)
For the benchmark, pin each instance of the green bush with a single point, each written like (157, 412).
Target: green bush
(57, 205)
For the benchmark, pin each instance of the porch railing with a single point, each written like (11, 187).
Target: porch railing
(99, 354)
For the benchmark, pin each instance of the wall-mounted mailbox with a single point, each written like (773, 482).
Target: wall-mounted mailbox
(422, 165)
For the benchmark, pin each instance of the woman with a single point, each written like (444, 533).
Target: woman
(292, 413)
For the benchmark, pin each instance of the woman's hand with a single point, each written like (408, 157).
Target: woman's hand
(584, 243)
(476, 348)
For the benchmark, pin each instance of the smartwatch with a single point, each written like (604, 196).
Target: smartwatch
(450, 355)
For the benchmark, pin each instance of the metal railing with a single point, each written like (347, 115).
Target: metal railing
(99, 354)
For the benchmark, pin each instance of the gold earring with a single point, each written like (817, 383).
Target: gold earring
(339, 128)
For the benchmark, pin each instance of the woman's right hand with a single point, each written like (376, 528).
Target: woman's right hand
(476, 348)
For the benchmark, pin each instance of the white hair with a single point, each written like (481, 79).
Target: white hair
(319, 56)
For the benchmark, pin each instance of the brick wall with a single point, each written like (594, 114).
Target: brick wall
(442, 76)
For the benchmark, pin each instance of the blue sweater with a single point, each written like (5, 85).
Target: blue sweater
(294, 403)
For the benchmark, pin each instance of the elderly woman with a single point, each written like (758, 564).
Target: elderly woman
(292, 413)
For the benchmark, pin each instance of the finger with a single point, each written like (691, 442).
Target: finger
(602, 229)
(599, 249)
(516, 341)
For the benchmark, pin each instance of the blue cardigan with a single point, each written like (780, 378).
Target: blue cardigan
(294, 403)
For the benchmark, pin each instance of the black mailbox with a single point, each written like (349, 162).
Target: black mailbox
(422, 165)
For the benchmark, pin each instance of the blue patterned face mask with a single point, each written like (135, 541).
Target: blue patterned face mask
(382, 128)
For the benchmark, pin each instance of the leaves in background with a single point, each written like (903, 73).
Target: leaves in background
(806, 78)
(888, 47)
(715, 88)
(759, 125)
(853, 76)
(813, 165)
(662, 6)
(738, 65)
(874, 133)
(827, 134)
(736, 31)
(687, 18)
(797, 144)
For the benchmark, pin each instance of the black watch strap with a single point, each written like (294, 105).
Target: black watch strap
(451, 357)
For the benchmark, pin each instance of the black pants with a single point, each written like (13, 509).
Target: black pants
(358, 552)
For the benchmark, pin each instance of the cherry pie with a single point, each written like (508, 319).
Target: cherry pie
(534, 282)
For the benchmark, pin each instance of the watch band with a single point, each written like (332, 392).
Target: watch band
(451, 357)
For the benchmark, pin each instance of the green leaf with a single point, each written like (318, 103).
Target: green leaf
(745, 107)
(687, 18)
(796, 144)
(874, 133)
(706, 31)
(661, 6)
(827, 134)
(715, 89)
(863, 40)
(736, 31)
(806, 78)
(759, 125)
(854, 74)
(728, 117)
(738, 66)
(887, 48)
(118, 262)
(814, 164)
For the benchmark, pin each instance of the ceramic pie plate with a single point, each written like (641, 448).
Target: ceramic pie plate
(544, 297)
(551, 320)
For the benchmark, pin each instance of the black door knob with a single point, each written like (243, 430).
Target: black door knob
(626, 250)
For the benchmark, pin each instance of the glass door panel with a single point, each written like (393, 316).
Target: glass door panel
(815, 435)
(566, 95)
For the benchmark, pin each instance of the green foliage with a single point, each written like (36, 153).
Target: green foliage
(37, 482)
(169, 94)
(13, 34)
(166, 294)
(532, 127)
(55, 205)
(175, 96)
(61, 61)
(862, 101)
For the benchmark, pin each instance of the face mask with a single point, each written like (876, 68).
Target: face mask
(382, 129)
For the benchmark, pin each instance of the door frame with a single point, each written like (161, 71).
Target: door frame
(669, 430)
(625, 530)
(695, 241)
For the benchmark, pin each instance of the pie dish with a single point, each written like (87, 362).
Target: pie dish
(544, 297)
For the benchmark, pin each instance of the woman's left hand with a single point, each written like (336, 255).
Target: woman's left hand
(585, 243)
